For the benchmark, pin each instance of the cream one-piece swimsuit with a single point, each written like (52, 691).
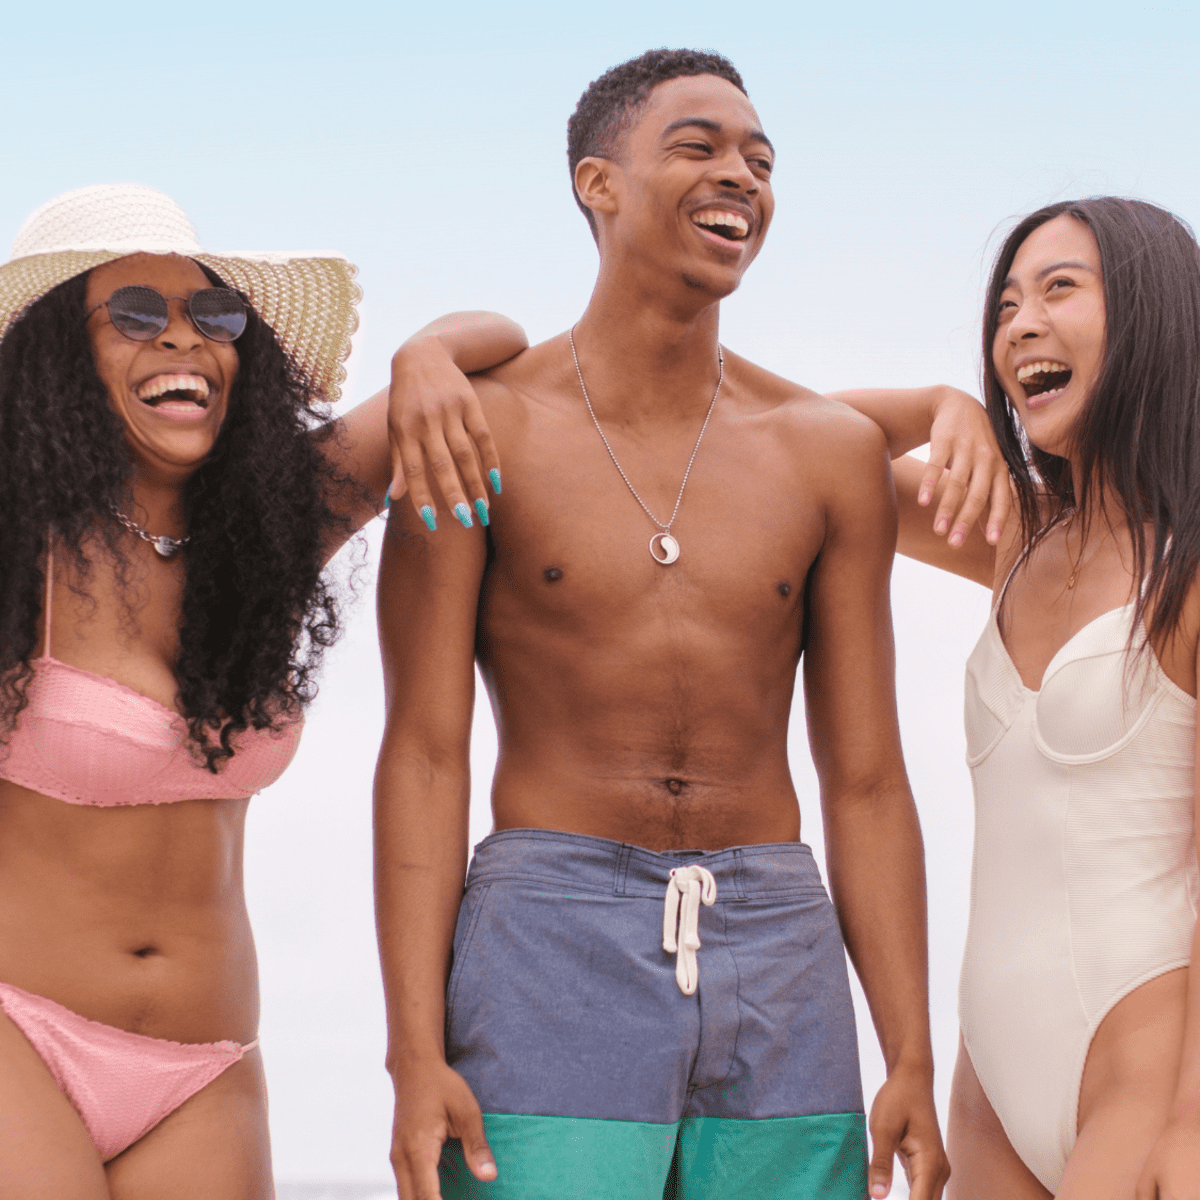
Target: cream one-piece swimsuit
(1084, 880)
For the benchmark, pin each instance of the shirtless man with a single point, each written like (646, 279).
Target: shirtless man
(555, 1031)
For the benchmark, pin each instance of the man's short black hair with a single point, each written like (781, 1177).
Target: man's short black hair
(608, 107)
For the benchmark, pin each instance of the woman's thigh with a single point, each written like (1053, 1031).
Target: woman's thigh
(214, 1145)
(1110, 1152)
(45, 1152)
(1127, 1088)
(983, 1164)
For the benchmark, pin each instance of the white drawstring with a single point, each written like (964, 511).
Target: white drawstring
(694, 884)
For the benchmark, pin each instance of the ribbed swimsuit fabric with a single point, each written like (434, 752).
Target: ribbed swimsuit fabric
(86, 739)
(1084, 877)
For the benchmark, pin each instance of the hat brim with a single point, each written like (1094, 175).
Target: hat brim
(308, 299)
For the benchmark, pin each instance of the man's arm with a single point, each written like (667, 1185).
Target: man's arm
(974, 558)
(873, 845)
(427, 598)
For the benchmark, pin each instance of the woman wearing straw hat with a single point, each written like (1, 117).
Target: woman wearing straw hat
(169, 499)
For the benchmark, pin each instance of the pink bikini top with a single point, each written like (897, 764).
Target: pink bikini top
(86, 739)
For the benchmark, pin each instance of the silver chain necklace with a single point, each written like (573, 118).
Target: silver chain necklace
(167, 547)
(664, 548)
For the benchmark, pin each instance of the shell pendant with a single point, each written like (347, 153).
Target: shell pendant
(664, 549)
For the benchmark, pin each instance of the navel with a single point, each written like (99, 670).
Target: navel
(674, 786)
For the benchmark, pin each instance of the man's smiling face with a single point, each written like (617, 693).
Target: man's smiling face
(692, 183)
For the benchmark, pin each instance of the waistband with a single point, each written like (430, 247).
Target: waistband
(580, 863)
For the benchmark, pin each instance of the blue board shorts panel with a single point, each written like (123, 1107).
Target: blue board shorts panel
(562, 1002)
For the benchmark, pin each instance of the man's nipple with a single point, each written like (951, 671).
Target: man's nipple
(552, 574)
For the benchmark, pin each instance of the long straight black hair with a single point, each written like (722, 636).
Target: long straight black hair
(1138, 436)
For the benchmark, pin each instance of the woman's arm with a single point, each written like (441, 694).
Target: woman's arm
(427, 421)
(434, 415)
(905, 415)
(965, 473)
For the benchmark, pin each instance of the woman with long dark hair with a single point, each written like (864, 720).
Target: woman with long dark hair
(171, 490)
(1079, 1068)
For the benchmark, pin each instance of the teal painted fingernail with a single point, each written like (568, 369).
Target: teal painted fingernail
(463, 513)
(481, 511)
(387, 501)
(428, 517)
(494, 476)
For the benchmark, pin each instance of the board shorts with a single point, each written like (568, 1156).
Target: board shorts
(601, 1075)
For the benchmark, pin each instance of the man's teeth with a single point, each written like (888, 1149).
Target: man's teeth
(1045, 367)
(718, 216)
(160, 385)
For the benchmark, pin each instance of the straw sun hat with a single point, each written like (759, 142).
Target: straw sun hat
(308, 299)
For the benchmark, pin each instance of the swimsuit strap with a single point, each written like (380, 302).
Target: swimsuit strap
(47, 608)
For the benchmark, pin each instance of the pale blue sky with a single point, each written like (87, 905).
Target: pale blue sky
(427, 144)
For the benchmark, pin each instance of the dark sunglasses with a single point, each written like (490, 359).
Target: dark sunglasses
(141, 313)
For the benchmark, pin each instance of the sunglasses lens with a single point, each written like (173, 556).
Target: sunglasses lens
(139, 313)
(219, 313)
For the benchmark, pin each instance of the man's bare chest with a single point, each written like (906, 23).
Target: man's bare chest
(580, 536)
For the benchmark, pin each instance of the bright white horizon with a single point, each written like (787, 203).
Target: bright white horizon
(429, 146)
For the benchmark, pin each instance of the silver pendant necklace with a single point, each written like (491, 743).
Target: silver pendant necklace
(166, 547)
(664, 548)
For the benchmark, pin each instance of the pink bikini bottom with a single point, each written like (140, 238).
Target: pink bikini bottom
(122, 1083)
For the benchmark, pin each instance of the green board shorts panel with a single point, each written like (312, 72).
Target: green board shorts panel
(783, 1158)
(699, 1158)
(558, 1158)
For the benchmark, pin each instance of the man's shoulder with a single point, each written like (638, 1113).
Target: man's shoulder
(836, 456)
(817, 425)
(525, 391)
(537, 368)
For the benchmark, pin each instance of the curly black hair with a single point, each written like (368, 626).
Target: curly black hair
(610, 104)
(257, 609)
